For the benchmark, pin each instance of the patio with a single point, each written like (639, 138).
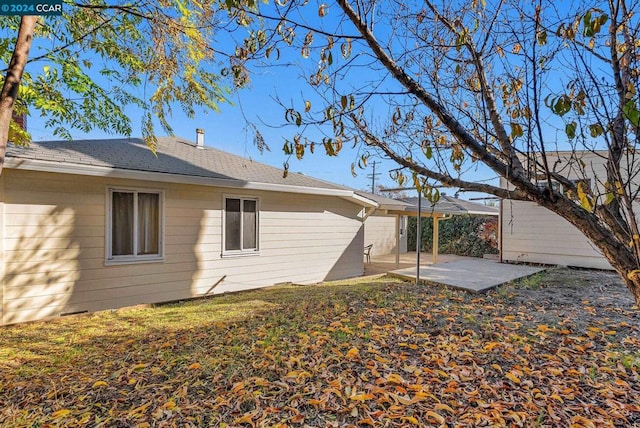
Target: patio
(467, 273)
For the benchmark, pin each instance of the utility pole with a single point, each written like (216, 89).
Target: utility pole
(373, 176)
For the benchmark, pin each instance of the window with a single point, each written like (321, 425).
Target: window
(240, 225)
(134, 226)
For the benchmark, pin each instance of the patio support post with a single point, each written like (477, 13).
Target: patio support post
(397, 241)
(418, 236)
(436, 223)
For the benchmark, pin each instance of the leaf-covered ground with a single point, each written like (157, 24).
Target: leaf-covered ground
(559, 349)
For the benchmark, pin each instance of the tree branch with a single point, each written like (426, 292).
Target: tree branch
(516, 176)
(445, 179)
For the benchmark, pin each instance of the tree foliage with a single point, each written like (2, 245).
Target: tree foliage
(522, 88)
(100, 61)
(464, 235)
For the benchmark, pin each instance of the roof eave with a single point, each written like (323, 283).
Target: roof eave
(362, 200)
(102, 171)
(493, 213)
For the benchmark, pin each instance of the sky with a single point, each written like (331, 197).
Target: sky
(228, 130)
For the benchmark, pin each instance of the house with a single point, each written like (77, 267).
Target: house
(533, 234)
(384, 228)
(99, 224)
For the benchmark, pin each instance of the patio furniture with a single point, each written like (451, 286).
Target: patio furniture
(367, 252)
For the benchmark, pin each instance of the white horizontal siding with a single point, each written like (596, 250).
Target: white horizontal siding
(531, 233)
(380, 231)
(53, 241)
(2, 233)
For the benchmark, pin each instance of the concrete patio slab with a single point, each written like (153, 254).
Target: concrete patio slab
(476, 275)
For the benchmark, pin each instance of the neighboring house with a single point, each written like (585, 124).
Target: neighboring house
(531, 233)
(93, 225)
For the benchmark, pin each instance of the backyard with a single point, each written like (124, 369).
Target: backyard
(558, 349)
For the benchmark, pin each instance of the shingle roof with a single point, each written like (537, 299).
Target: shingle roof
(450, 205)
(174, 156)
(384, 202)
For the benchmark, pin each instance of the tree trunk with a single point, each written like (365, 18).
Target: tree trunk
(620, 256)
(12, 80)
(632, 280)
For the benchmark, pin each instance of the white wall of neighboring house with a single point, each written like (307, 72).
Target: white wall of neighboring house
(52, 240)
(531, 233)
(380, 230)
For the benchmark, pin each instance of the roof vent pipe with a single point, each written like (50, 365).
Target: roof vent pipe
(200, 138)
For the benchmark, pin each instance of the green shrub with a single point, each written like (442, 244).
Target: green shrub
(464, 235)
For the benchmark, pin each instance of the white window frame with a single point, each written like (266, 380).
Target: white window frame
(241, 252)
(110, 259)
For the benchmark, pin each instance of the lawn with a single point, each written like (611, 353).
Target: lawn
(559, 349)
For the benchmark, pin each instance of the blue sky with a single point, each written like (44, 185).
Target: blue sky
(227, 130)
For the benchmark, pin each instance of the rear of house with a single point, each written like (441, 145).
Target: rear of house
(531, 233)
(386, 226)
(381, 232)
(96, 225)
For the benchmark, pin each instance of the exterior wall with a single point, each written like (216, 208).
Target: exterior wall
(380, 230)
(54, 245)
(1, 247)
(531, 233)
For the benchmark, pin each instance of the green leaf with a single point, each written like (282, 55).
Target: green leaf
(328, 146)
(609, 197)
(428, 152)
(287, 148)
(541, 37)
(596, 130)
(631, 112)
(570, 129)
(562, 105)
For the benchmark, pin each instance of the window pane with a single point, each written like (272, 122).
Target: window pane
(232, 224)
(249, 238)
(122, 224)
(148, 223)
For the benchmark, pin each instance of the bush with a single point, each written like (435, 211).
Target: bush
(464, 235)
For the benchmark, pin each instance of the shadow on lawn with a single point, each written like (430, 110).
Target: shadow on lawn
(105, 332)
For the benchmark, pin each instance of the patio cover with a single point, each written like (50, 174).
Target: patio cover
(447, 205)
(443, 209)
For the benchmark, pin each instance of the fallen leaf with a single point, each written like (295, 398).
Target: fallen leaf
(352, 353)
(60, 413)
